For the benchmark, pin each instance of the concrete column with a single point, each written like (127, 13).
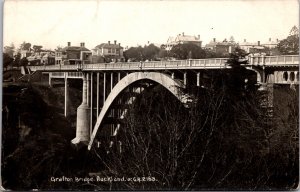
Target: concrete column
(184, 79)
(275, 77)
(288, 76)
(50, 79)
(263, 75)
(91, 115)
(119, 77)
(104, 87)
(173, 76)
(111, 81)
(66, 96)
(97, 94)
(281, 73)
(198, 79)
(111, 88)
(263, 60)
(88, 89)
(82, 123)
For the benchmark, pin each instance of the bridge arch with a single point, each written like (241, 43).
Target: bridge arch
(258, 73)
(174, 86)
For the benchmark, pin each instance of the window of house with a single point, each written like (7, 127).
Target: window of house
(109, 50)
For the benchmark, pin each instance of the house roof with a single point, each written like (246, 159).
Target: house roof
(216, 43)
(111, 46)
(186, 38)
(270, 43)
(245, 43)
(74, 48)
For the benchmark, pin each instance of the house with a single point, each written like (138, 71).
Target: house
(252, 47)
(221, 48)
(25, 53)
(44, 57)
(271, 44)
(71, 55)
(182, 39)
(107, 52)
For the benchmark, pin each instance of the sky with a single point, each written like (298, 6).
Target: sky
(53, 23)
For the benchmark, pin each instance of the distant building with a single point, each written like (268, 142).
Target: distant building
(26, 53)
(108, 52)
(71, 55)
(252, 47)
(270, 44)
(221, 48)
(182, 39)
(41, 57)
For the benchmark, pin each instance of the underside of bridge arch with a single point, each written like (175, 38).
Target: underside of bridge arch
(136, 82)
(258, 73)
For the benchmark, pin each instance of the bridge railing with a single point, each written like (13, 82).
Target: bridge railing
(176, 64)
(66, 75)
(275, 60)
(53, 67)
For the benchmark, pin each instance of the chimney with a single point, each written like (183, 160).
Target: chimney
(198, 37)
(69, 44)
(182, 33)
(214, 39)
(119, 44)
(109, 42)
(276, 40)
(258, 43)
(115, 42)
(269, 39)
(82, 44)
(245, 40)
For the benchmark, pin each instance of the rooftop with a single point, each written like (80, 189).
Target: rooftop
(74, 48)
(108, 45)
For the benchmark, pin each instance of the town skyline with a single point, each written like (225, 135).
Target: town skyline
(134, 23)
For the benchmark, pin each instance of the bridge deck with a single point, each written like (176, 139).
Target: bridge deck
(215, 63)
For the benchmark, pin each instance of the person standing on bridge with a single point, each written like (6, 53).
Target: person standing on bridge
(141, 65)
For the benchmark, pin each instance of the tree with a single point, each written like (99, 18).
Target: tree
(183, 51)
(150, 52)
(7, 60)
(25, 46)
(37, 48)
(17, 59)
(236, 77)
(290, 45)
(134, 54)
(9, 50)
(162, 53)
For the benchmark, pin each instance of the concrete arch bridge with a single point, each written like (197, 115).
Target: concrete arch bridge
(109, 88)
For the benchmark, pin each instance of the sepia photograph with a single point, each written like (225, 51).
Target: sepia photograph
(195, 95)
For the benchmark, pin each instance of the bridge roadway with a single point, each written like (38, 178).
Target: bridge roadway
(214, 63)
(269, 70)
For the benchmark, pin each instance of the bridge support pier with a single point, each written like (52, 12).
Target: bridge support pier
(184, 79)
(91, 103)
(83, 118)
(104, 88)
(50, 79)
(97, 108)
(198, 79)
(66, 96)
